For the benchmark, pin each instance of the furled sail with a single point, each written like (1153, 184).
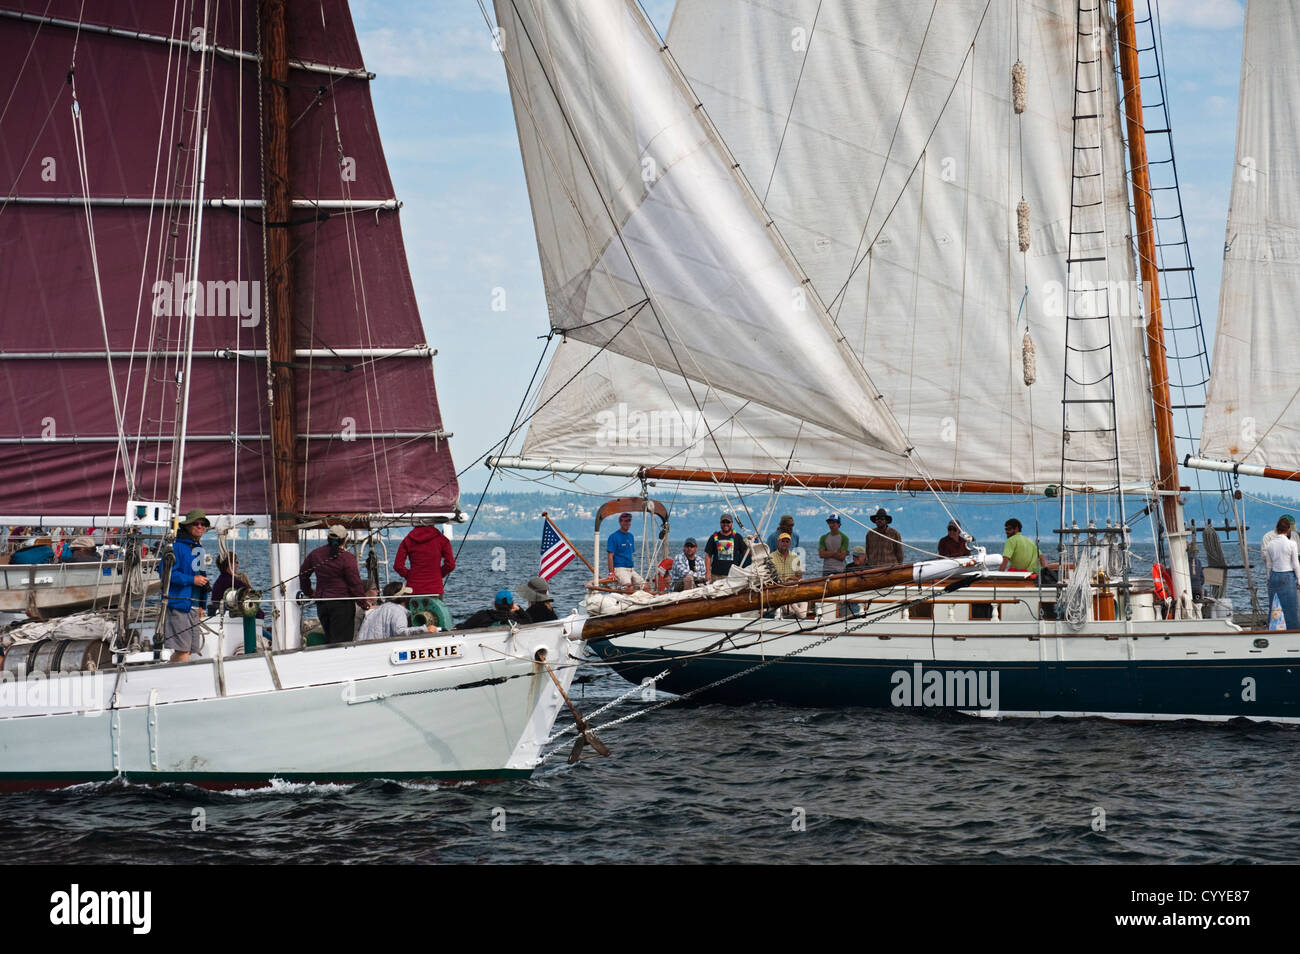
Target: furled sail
(886, 147)
(370, 434)
(1252, 412)
(651, 246)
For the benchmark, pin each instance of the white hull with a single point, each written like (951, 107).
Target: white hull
(330, 713)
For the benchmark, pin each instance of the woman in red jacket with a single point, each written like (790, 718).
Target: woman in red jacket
(431, 560)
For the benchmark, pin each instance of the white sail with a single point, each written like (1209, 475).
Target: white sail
(650, 243)
(848, 146)
(1252, 412)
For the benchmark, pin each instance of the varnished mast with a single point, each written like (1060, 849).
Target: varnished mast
(278, 208)
(1166, 450)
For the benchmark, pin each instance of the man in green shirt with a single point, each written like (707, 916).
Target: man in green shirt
(1019, 552)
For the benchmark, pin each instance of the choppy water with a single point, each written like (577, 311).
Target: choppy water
(757, 783)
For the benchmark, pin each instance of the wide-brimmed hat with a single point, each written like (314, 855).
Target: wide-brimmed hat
(196, 516)
(537, 590)
(882, 512)
(83, 543)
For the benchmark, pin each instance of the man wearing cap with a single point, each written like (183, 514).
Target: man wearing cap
(502, 612)
(786, 525)
(186, 589)
(389, 617)
(538, 594)
(953, 545)
(338, 585)
(884, 545)
(859, 562)
(789, 569)
(725, 549)
(833, 547)
(81, 550)
(688, 569)
(621, 550)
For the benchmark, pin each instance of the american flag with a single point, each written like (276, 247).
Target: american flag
(556, 552)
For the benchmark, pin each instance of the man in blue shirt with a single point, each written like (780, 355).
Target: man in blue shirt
(621, 549)
(187, 589)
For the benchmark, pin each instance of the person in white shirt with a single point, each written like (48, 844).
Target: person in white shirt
(389, 617)
(1282, 558)
(1273, 534)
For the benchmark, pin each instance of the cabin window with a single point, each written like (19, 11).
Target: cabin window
(922, 611)
(981, 611)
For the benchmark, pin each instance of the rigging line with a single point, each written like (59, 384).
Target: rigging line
(618, 231)
(504, 441)
(924, 146)
(144, 264)
(518, 411)
(889, 150)
(794, 95)
(23, 68)
(79, 142)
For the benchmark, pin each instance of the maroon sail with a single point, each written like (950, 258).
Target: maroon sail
(146, 86)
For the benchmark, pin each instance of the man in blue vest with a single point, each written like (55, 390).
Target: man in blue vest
(186, 590)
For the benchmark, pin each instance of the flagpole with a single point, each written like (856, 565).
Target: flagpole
(568, 541)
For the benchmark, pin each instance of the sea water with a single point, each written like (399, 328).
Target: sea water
(753, 783)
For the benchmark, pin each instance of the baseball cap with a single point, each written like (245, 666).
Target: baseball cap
(505, 598)
(835, 517)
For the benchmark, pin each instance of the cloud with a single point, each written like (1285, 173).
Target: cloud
(1201, 14)
(461, 57)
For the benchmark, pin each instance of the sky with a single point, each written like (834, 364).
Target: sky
(448, 130)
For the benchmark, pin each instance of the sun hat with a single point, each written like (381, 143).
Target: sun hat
(882, 512)
(196, 516)
(83, 543)
(537, 590)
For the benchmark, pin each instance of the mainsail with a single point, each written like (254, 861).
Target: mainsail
(1252, 412)
(885, 146)
(651, 245)
(165, 99)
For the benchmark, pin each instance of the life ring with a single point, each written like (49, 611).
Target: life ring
(662, 577)
(1164, 584)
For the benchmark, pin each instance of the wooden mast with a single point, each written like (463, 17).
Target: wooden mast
(277, 210)
(1166, 451)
